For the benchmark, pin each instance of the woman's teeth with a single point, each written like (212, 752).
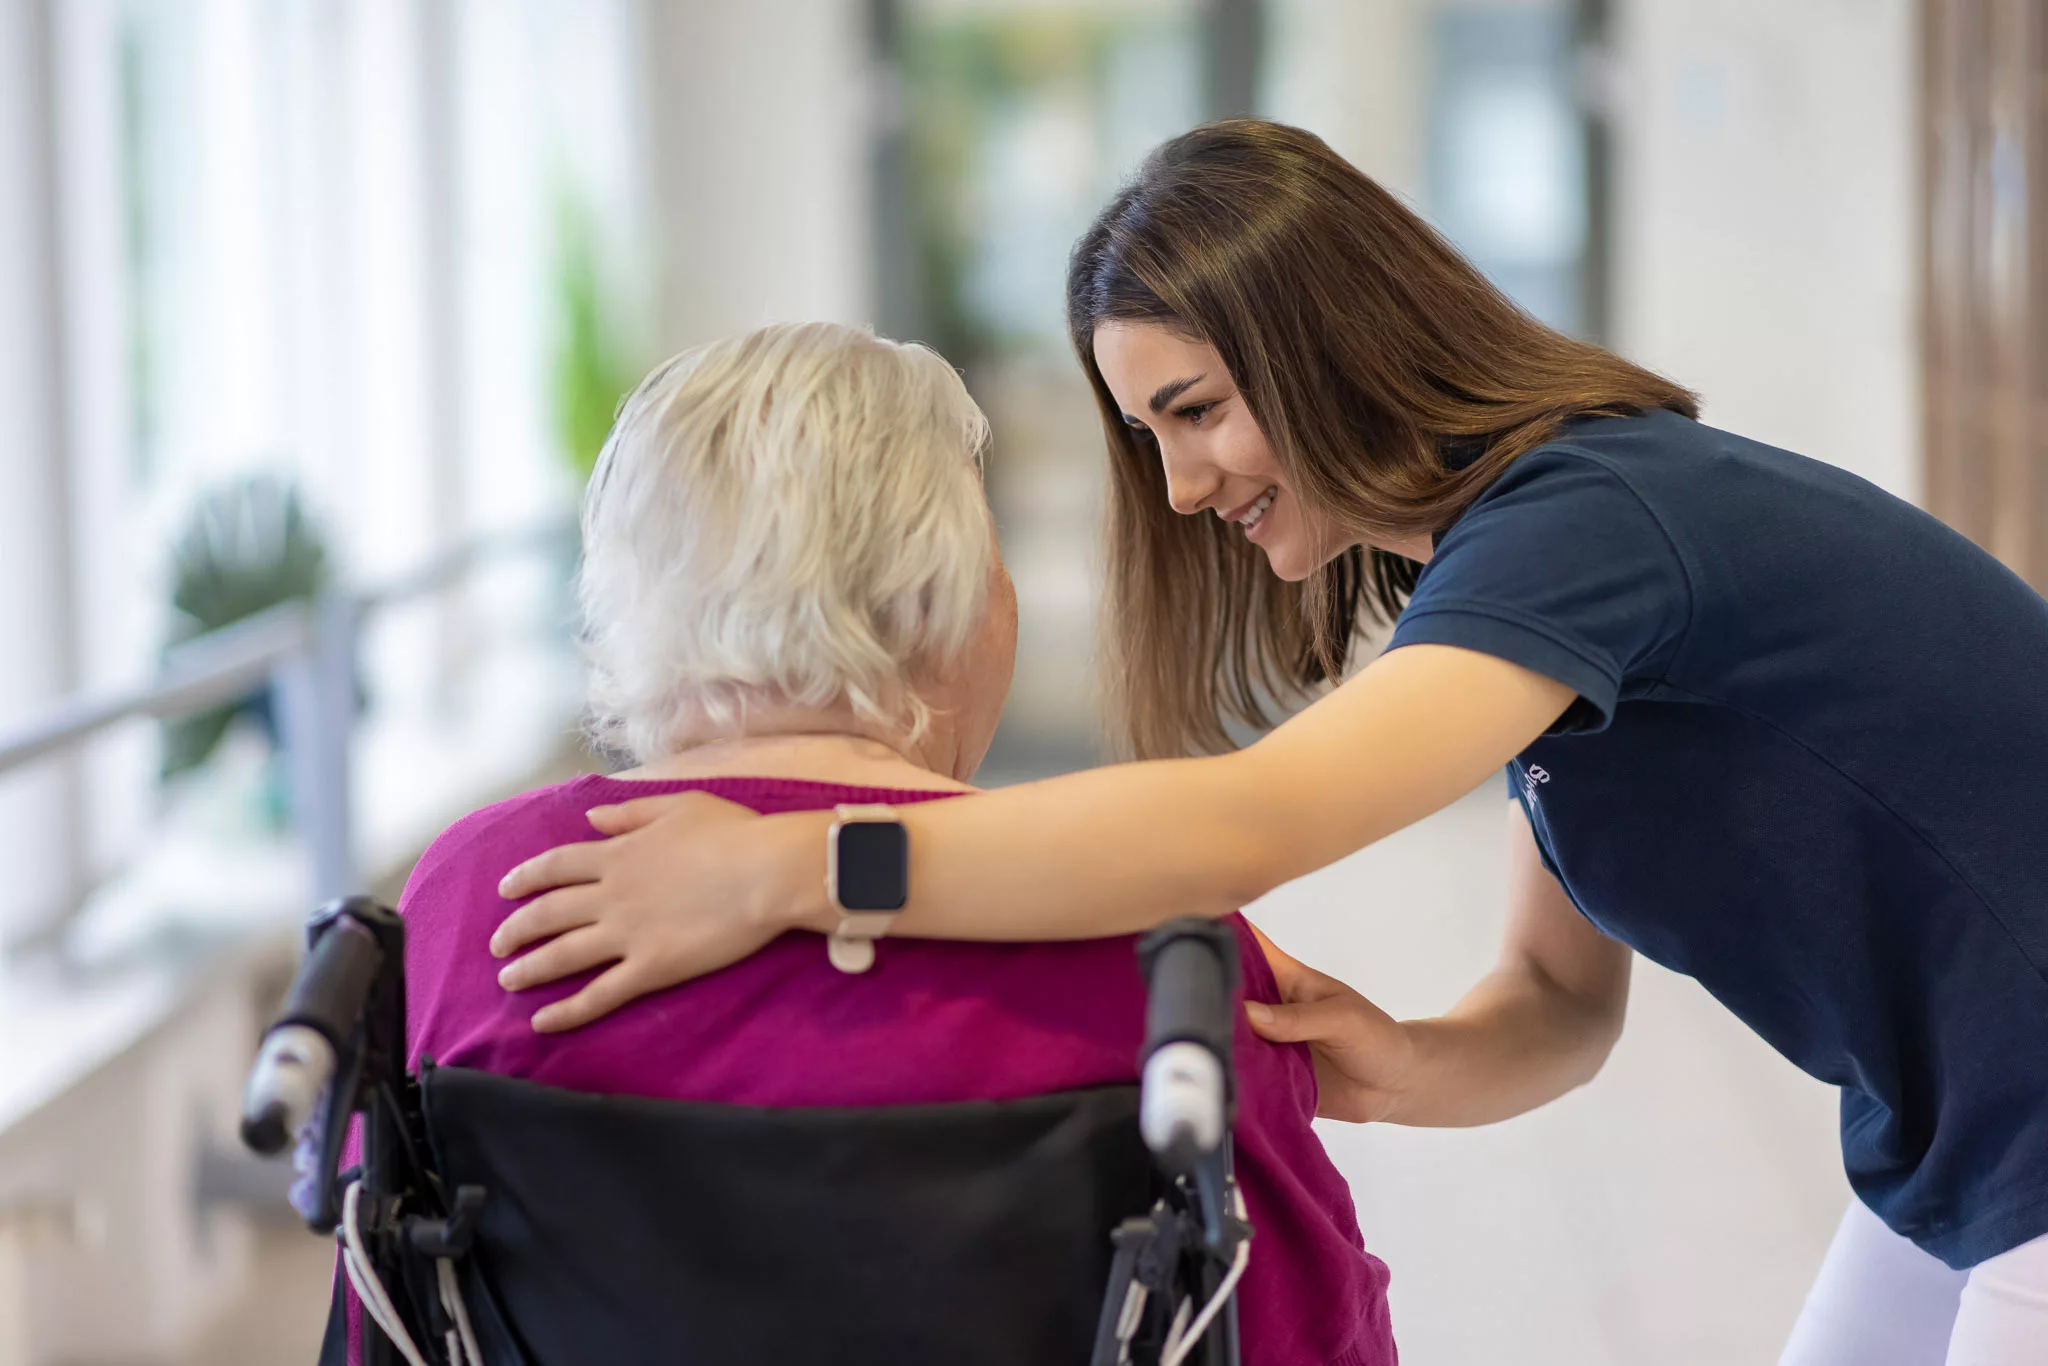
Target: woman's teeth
(1258, 509)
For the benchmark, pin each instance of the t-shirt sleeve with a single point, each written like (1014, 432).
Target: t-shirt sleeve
(1561, 568)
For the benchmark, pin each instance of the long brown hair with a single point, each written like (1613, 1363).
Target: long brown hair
(1366, 349)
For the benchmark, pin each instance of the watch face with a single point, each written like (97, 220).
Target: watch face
(873, 865)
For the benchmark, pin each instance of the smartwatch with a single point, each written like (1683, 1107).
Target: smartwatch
(867, 876)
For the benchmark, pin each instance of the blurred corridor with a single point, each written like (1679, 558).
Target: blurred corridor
(314, 313)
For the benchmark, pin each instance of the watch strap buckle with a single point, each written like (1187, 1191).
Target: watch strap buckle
(850, 953)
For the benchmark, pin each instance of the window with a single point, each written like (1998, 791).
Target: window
(1508, 174)
(1019, 121)
(333, 243)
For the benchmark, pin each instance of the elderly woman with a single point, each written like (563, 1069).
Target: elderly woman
(793, 600)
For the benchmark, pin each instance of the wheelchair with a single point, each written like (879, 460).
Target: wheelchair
(493, 1221)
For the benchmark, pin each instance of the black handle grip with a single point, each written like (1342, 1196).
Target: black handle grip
(1190, 970)
(350, 991)
(334, 981)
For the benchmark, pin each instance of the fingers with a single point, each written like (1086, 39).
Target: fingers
(562, 866)
(1300, 982)
(1274, 1023)
(1272, 950)
(576, 951)
(558, 912)
(1329, 1022)
(611, 990)
(623, 818)
(1286, 968)
(1301, 987)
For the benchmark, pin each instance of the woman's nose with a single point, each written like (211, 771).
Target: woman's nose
(1188, 489)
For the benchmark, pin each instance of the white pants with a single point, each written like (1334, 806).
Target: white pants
(1880, 1301)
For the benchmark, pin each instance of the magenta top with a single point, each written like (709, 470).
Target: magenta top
(931, 1021)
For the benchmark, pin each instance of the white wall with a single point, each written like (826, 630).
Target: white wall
(1767, 248)
(759, 117)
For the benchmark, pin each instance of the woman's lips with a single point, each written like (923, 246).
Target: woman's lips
(1255, 509)
(1235, 513)
(1256, 532)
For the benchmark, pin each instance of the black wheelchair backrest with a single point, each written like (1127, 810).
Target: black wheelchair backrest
(627, 1230)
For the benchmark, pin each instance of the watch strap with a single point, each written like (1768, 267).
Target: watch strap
(872, 811)
(851, 945)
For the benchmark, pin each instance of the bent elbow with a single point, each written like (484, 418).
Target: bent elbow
(1252, 867)
(1600, 1030)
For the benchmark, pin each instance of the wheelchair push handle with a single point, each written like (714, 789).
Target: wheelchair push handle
(1190, 969)
(315, 1031)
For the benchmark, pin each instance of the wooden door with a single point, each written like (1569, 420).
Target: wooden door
(1985, 129)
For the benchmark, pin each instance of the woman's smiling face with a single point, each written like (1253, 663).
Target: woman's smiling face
(1214, 455)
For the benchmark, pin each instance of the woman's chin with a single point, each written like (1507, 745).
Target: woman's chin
(1294, 562)
(1286, 562)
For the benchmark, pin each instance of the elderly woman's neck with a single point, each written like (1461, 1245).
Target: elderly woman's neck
(822, 745)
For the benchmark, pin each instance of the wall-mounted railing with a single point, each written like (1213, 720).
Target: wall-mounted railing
(306, 652)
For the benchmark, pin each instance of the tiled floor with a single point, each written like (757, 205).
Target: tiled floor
(1671, 1212)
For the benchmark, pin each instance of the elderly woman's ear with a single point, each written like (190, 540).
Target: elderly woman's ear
(968, 697)
(990, 668)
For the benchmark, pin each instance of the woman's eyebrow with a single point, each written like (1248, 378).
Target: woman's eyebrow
(1173, 389)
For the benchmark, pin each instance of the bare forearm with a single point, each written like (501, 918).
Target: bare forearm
(1512, 1043)
(1119, 849)
(1108, 851)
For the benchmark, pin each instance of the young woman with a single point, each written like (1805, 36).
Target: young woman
(1761, 722)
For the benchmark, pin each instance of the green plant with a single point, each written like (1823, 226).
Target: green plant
(594, 366)
(246, 547)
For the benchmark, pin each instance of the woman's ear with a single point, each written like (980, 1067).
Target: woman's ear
(980, 683)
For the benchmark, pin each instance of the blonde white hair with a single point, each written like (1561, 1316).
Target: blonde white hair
(795, 515)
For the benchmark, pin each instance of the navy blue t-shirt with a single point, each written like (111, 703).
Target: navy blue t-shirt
(1808, 766)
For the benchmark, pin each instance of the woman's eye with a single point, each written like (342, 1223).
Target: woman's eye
(1194, 413)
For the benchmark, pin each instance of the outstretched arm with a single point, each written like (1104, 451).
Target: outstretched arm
(1108, 851)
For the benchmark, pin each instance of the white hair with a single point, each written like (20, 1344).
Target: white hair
(794, 515)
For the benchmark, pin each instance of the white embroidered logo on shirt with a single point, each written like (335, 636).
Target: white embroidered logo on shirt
(1531, 777)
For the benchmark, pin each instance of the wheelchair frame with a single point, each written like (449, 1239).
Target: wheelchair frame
(338, 1050)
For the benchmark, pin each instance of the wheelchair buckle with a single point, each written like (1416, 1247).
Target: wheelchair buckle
(453, 1236)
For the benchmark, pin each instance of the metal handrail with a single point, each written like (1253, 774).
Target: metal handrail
(456, 563)
(207, 671)
(306, 651)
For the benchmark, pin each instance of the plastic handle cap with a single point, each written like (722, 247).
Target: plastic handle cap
(1180, 1110)
(292, 1070)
